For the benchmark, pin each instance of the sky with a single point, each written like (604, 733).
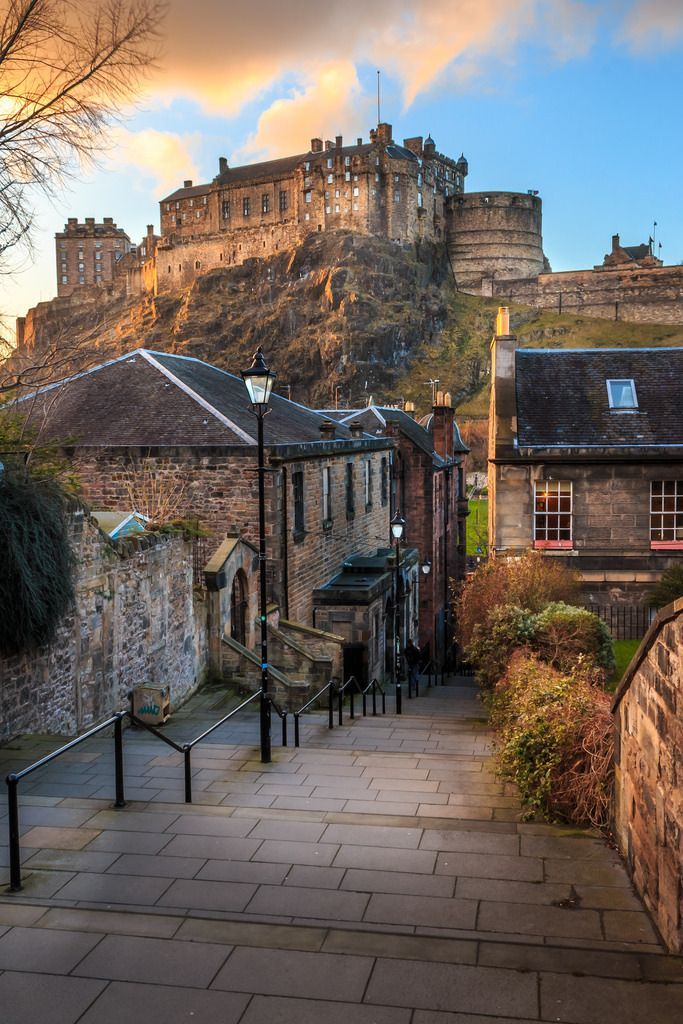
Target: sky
(578, 100)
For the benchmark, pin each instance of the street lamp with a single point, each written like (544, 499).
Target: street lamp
(258, 380)
(426, 567)
(397, 526)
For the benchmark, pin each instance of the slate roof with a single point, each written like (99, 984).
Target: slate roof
(562, 399)
(154, 399)
(187, 193)
(375, 417)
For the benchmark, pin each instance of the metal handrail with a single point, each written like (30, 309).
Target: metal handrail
(374, 685)
(357, 688)
(13, 779)
(329, 688)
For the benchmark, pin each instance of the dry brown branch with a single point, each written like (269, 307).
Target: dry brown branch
(67, 68)
(154, 492)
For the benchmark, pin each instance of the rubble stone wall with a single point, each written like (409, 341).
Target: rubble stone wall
(648, 813)
(135, 621)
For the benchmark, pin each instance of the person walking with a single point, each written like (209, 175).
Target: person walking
(413, 656)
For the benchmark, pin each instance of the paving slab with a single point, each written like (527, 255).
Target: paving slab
(162, 1004)
(55, 1000)
(328, 976)
(34, 949)
(154, 961)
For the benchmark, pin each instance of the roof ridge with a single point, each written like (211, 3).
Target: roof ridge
(150, 358)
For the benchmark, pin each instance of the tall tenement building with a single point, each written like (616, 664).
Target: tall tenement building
(88, 253)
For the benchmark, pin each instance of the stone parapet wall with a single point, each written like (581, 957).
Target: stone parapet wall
(135, 621)
(638, 295)
(648, 812)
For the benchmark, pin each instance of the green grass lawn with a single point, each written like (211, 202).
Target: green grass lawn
(477, 526)
(623, 652)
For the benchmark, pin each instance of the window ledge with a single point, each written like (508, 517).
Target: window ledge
(666, 545)
(327, 524)
(550, 545)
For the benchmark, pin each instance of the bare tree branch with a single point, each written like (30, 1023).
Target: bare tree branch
(67, 69)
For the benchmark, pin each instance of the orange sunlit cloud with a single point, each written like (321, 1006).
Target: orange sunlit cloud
(223, 55)
(652, 23)
(162, 156)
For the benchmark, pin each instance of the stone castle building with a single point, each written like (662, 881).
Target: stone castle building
(405, 193)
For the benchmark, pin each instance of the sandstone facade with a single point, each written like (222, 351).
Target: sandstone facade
(649, 769)
(136, 620)
(87, 253)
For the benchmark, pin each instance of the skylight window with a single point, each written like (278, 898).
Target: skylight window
(622, 394)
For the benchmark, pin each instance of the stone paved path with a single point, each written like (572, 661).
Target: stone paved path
(378, 874)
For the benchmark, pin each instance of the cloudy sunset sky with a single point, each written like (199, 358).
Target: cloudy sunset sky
(580, 100)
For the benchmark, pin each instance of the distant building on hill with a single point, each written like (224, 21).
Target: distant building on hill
(87, 253)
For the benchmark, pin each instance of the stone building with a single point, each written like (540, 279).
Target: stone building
(88, 253)
(174, 437)
(586, 461)
(428, 488)
(377, 187)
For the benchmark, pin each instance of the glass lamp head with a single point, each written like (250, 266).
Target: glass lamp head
(259, 380)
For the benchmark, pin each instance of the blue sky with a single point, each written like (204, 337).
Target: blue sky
(580, 100)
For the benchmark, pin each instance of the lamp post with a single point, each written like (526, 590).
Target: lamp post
(426, 569)
(258, 380)
(397, 526)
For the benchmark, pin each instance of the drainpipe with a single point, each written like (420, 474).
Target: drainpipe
(285, 549)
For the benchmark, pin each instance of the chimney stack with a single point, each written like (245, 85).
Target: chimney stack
(442, 425)
(327, 430)
(356, 428)
(338, 141)
(188, 183)
(222, 164)
(316, 145)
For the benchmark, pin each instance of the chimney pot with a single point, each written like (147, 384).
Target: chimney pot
(503, 322)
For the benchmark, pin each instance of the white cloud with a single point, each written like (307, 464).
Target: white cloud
(164, 157)
(652, 23)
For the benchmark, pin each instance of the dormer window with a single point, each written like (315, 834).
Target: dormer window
(622, 394)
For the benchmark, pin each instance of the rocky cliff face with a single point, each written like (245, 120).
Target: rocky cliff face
(341, 311)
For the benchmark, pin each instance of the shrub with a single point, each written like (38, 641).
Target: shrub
(36, 563)
(556, 740)
(564, 634)
(492, 643)
(669, 588)
(530, 581)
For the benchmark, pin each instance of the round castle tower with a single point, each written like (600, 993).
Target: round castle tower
(494, 236)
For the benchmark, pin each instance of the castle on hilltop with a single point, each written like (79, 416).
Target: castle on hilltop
(406, 194)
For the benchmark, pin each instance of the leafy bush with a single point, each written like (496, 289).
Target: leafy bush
(564, 634)
(492, 642)
(36, 563)
(556, 740)
(530, 581)
(669, 588)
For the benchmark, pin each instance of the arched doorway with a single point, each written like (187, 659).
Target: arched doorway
(238, 608)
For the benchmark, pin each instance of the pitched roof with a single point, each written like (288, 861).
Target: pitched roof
(187, 193)
(562, 399)
(375, 418)
(149, 399)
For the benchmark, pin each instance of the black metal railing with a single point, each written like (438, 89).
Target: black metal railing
(14, 778)
(374, 687)
(336, 694)
(625, 621)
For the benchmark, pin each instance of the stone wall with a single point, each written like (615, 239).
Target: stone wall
(638, 295)
(136, 620)
(494, 235)
(219, 487)
(610, 522)
(648, 813)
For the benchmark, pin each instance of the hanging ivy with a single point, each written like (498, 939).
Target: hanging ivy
(36, 561)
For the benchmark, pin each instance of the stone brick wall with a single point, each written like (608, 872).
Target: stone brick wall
(610, 522)
(638, 295)
(135, 621)
(648, 812)
(494, 235)
(219, 488)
